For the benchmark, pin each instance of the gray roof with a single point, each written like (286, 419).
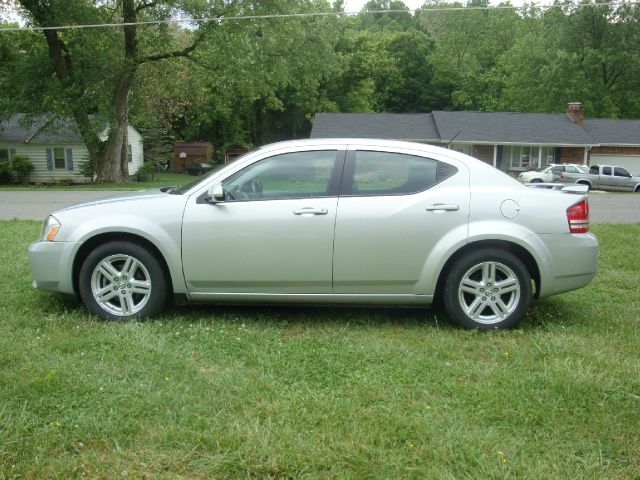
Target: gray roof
(613, 132)
(504, 128)
(39, 129)
(397, 126)
(507, 128)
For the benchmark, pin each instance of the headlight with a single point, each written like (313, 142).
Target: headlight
(50, 229)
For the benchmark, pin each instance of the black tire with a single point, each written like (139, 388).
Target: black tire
(474, 297)
(536, 180)
(122, 281)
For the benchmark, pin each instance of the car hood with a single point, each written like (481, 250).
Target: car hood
(115, 199)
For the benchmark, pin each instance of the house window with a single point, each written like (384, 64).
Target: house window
(527, 157)
(463, 148)
(129, 154)
(59, 161)
(4, 154)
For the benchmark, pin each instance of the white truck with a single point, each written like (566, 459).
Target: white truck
(602, 177)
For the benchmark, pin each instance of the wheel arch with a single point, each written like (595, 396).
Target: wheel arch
(91, 243)
(519, 251)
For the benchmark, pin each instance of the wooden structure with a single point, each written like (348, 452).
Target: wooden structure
(188, 153)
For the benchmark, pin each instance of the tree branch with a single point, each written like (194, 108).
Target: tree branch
(185, 52)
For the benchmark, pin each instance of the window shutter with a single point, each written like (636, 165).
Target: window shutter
(69, 159)
(49, 158)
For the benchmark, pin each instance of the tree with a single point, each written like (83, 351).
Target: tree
(95, 69)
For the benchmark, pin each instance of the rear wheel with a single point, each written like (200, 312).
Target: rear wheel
(487, 289)
(122, 281)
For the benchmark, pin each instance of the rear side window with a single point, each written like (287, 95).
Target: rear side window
(606, 171)
(385, 173)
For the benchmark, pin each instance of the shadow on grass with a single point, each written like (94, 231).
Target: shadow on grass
(547, 314)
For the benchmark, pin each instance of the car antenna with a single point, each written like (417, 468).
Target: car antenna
(452, 139)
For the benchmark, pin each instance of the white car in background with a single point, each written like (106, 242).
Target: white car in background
(545, 175)
(348, 221)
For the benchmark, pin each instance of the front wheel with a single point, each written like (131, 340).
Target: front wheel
(121, 281)
(487, 289)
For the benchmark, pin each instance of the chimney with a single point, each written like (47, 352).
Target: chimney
(575, 113)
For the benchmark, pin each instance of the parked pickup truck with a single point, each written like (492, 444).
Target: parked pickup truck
(602, 177)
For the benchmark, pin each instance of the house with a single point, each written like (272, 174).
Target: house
(512, 142)
(186, 154)
(55, 147)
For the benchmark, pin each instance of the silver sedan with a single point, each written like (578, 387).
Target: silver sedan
(326, 222)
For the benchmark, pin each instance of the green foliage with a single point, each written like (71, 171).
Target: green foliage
(21, 167)
(6, 175)
(145, 172)
(251, 82)
(17, 169)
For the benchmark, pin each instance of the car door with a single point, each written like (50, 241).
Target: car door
(394, 208)
(272, 234)
(622, 179)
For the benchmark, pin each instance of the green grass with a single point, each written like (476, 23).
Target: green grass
(160, 179)
(229, 392)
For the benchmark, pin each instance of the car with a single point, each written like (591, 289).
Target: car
(545, 175)
(199, 168)
(326, 221)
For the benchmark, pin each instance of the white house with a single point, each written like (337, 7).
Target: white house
(55, 147)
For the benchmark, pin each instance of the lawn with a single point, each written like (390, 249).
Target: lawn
(160, 179)
(229, 392)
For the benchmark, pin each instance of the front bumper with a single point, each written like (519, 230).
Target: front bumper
(52, 265)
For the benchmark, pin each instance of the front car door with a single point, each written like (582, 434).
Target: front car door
(394, 209)
(272, 234)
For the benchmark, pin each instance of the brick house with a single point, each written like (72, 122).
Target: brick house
(512, 142)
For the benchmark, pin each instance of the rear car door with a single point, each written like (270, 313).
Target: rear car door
(394, 207)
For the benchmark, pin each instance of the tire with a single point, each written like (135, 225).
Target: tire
(536, 180)
(122, 281)
(466, 295)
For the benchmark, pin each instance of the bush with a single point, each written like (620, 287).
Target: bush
(22, 168)
(144, 172)
(5, 172)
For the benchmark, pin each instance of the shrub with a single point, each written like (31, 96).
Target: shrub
(22, 168)
(144, 172)
(5, 172)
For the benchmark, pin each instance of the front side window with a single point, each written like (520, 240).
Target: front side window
(59, 161)
(290, 175)
(621, 172)
(383, 173)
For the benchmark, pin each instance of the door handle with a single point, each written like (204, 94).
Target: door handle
(308, 211)
(442, 207)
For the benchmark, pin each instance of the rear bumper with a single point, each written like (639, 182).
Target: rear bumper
(573, 262)
(52, 265)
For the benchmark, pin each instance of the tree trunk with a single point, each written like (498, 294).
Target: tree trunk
(110, 166)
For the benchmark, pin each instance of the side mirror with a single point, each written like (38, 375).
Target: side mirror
(215, 193)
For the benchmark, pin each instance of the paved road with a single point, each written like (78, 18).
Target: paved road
(35, 205)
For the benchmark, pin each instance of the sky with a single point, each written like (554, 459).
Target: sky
(356, 5)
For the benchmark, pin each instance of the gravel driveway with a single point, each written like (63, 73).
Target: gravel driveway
(35, 205)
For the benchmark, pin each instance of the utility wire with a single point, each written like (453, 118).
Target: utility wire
(312, 14)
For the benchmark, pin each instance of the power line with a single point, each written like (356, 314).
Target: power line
(312, 14)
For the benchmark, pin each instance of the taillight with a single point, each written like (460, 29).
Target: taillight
(562, 177)
(578, 217)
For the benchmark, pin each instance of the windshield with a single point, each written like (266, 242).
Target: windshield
(185, 188)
